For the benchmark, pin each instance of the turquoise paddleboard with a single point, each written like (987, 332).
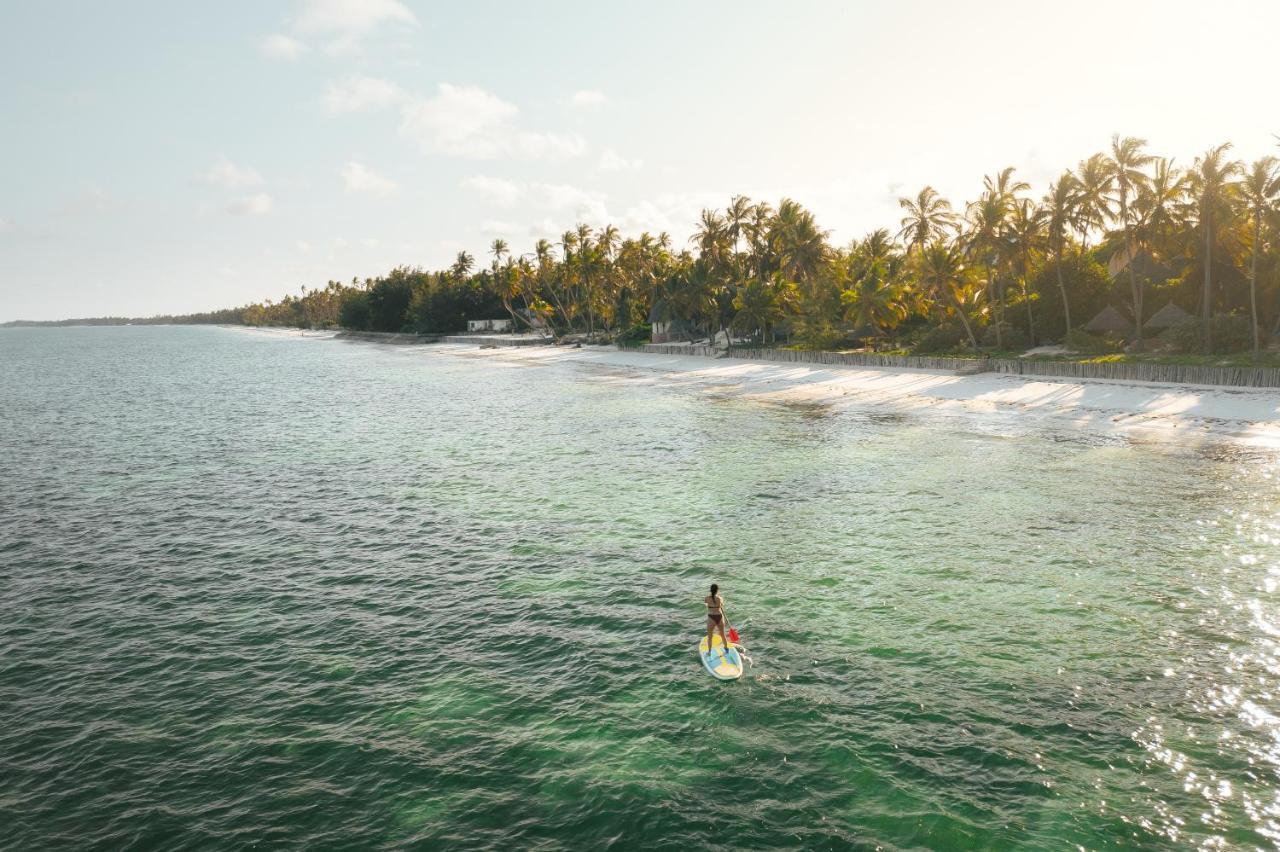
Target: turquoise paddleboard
(723, 663)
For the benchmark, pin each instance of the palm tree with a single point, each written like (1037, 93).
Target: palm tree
(1004, 186)
(982, 242)
(716, 243)
(566, 273)
(877, 245)
(586, 261)
(546, 265)
(507, 280)
(462, 265)
(1025, 237)
(737, 219)
(929, 218)
(797, 241)
(1212, 186)
(1093, 204)
(757, 231)
(1258, 190)
(874, 296)
(1127, 161)
(1060, 213)
(1158, 205)
(757, 305)
(712, 237)
(941, 271)
(498, 248)
(607, 243)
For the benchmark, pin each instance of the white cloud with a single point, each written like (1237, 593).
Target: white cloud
(370, 242)
(589, 98)
(467, 121)
(360, 94)
(280, 46)
(675, 213)
(343, 24)
(611, 161)
(257, 204)
(647, 216)
(501, 192)
(548, 146)
(562, 197)
(498, 228)
(228, 174)
(358, 177)
(559, 198)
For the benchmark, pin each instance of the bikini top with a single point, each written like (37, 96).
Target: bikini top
(715, 605)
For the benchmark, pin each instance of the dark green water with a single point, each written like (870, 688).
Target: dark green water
(267, 590)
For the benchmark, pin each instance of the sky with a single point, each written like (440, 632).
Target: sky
(160, 157)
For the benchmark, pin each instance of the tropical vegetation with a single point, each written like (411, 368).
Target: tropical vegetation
(1009, 269)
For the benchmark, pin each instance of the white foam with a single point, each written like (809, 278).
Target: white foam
(1247, 414)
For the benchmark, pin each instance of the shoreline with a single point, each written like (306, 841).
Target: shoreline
(1247, 415)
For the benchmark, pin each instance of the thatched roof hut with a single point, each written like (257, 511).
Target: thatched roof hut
(1143, 263)
(866, 331)
(1167, 317)
(1109, 319)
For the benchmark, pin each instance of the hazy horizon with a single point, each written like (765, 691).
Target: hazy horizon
(169, 160)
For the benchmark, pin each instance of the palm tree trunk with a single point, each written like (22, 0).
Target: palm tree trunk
(1253, 282)
(995, 304)
(555, 297)
(1031, 320)
(1066, 305)
(1206, 340)
(964, 320)
(1026, 297)
(1133, 279)
(510, 310)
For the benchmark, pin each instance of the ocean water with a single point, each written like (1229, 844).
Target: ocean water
(269, 590)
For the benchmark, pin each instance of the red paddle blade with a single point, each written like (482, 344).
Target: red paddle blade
(733, 634)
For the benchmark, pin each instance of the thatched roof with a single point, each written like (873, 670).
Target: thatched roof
(1167, 317)
(865, 331)
(1143, 264)
(1109, 319)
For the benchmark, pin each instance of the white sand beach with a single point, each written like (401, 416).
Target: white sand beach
(1154, 411)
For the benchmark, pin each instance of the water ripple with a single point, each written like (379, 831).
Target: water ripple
(260, 590)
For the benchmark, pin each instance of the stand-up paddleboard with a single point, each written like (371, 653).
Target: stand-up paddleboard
(723, 663)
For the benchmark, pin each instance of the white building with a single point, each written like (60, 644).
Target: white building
(489, 325)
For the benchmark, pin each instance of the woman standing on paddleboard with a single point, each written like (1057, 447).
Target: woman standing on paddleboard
(715, 616)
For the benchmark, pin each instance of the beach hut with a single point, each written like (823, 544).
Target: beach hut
(502, 324)
(1109, 320)
(1167, 317)
(1143, 263)
(665, 326)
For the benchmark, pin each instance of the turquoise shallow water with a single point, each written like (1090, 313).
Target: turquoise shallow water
(283, 591)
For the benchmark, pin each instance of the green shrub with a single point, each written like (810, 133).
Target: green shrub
(942, 338)
(817, 334)
(353, 313)
(1011, 336)
(638, 333)
(1229, 333)
(1079, 340)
